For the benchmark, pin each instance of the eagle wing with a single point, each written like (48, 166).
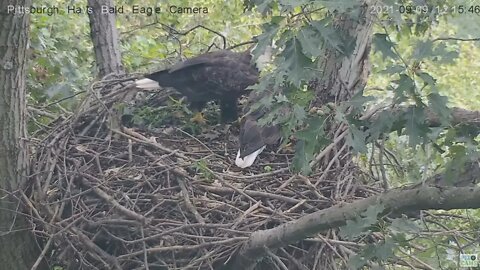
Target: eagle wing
(210, 58)
(253, 137)
(210, 76)
(221, 75)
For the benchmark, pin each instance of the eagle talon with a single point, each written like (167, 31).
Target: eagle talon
(289, 147)
(199, 119)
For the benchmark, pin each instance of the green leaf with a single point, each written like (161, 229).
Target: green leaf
(309, 39)
(300, 97)
(401, 239)
(265, 102)
(296, 63)
(281, 98)
(423, 49)
(384, 45)
(453, 168)
(289, 5)
(329, 34)
(372, 213)
(263, 6)
(309, 141)
(378, 267)
(353, 229)
(404, 225)
(358, 226)
(383, 124)
(340, 6)
(274, 116)
(443, 55)
(357, 139)
(438, 104)
(394, 69)
(358, 100)
(405, 86)
(415, 125)
(314, 131)
(384, 250)
(356, 262)
(302, 158)
(395, 17)
(270, 30)
(299, 114)
(377, 252)
(427, 78)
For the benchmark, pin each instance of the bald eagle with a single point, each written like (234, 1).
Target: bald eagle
(221, 75)
(254, 137)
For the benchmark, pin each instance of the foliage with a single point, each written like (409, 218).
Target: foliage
(174, 113)
(164, 38)
(362, 225)
(62, 55)
(201, 169)
(425, 65)
(298, 28)
(306, 147)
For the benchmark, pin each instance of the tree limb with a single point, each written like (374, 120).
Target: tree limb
(397, 201)
(458, 116)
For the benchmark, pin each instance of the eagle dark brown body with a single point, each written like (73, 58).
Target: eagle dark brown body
(254, 137)
(221, 75)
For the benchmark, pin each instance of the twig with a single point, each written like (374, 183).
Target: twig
(145, 255)
(183, 248)
(130, 134)
(112, 201)
(63, 99)
(42, 254)
(175, 31)
(188, 202)
(456, 39)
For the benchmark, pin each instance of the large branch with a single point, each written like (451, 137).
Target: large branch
(396, 201)
(458, 116)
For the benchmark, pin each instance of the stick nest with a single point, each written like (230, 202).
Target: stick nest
(106, 197)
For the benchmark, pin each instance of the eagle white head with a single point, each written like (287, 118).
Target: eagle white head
(248, 160)
(147, 84)
(253, 137)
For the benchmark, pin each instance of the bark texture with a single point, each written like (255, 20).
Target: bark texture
(105, 37)
(18, 249)
(345, 75)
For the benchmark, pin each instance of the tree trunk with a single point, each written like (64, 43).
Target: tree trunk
(344, 76)
(18, 249)
(105, 37)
